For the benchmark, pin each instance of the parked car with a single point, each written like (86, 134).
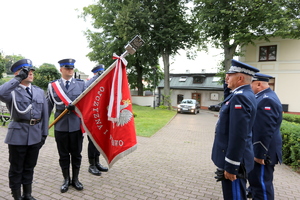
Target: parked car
(189, 106)
(215, 107)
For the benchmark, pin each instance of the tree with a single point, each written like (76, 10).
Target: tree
(229, 24)
(162, 24)
(2, 65)
(287, 19)
(116, 23)
(10, 60)
(171, 30)
(44, 74)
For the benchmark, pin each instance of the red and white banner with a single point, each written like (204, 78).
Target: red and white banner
(106, 114)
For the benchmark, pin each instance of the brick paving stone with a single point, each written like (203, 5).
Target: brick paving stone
(172, 164)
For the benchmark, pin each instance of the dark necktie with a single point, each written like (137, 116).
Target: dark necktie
(67, 84)
(28, 91)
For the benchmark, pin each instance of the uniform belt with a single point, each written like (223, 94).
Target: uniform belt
(26, 121)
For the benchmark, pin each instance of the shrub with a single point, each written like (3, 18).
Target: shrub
(291, 118)
(291, 143)
(163, 107)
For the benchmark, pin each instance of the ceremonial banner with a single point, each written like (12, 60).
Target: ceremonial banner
(106, 114)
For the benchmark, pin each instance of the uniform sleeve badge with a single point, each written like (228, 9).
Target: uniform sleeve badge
(238, 106)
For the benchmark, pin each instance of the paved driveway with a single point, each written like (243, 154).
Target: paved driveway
(173, 164)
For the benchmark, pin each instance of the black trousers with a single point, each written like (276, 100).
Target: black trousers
(22, 160)
(92, 150)
(69, 146)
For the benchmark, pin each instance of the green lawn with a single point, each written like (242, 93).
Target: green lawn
(147, 121)
(51, 130)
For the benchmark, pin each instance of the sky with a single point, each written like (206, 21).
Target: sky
(48, 31)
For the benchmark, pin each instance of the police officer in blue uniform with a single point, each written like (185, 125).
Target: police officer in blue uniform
(95, 167)
(68, 133)
(267, 141)
(28, 129)
(232, 150)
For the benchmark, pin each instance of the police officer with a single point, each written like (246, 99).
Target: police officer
(28, 129)
(232, 150)
(267, 141)
(95, 167)
(68, 133)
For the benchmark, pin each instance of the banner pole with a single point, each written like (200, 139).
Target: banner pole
(131, 48)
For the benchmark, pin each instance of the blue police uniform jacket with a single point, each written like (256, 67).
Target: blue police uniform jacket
(70, 122)
(267, 140)
(20, 133)
(233, 135)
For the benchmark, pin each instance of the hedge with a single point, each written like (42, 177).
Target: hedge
(290, 131)
(291, 118)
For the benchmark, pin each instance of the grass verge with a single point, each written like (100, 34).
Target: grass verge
(147, 121)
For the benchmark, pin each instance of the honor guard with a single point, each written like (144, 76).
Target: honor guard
(267, 141)
(232, 150)
(67, 130)
(28, 128)
(95, 167)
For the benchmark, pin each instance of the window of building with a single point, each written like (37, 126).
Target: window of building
(198, 79)
(216, 79)
(214, 96)
(179, 98)
(268, 53)
(182, 79)
(272, 84)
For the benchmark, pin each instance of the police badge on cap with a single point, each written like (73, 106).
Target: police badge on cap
(21, 63)
(67, 63)
(239, 67)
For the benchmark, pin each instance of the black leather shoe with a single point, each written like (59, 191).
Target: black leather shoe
(93, 170)
(65, 186)
(67, 181)
(75, 182)
(28, 198)
(27, 189)
(77, 185)
(99, 166)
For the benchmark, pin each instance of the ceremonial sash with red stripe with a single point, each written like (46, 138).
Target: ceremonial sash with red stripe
(61, 94)
(65, 99)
